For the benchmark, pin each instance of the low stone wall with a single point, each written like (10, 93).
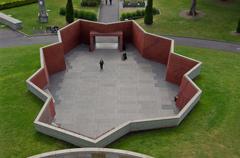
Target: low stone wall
(91, 153)
(10, 21)
(180, 70)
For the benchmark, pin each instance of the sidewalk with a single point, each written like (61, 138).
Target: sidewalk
(109, 13)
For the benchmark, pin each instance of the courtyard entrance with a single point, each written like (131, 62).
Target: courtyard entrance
(113, 40)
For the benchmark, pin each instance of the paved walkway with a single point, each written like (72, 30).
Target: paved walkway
(224, 46)
(10, 38)
(109, 13)
(98, 101)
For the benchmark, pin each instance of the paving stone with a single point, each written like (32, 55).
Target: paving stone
(92, 102)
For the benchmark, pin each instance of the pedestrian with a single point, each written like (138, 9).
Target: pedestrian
(101, 63)
(106, 2)
(110, 2)
(124, 56)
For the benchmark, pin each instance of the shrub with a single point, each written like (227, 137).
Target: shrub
(155, 11)
(148, 18)
(62, 11)
(81, 14)
(137, 14)
(133, 3)
(238, 27)
(123, 17)
(69, 12)
(16, 3)
(90, 3)
(140, 12)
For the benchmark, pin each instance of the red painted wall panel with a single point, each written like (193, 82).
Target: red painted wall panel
(70, 36)
(138, 38)
(52, 109)
(40, 79)
(54, 58)
(186, 92)
(87, 26)
(156, 48)
(48, 113)
(177, 67)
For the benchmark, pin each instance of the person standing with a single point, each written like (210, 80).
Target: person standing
(110, 2)
(124, 56)
(101, 63)
(106, 1)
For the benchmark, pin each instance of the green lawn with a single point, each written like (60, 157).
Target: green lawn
(211, 130)
(29, 14)
(220, 19)
(4, 1)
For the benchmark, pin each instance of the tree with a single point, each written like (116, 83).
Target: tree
(69, 12)
(148, 18)
(238, 27)
(193, 11)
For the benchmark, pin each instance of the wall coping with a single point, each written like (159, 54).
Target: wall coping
(90, 150)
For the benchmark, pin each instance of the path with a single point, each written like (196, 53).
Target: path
(109, 13)
(9, 38)
(218, 45)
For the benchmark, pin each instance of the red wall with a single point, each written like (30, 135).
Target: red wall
(48, 113)
(70, 36)
(54, 58)
(186, 92)
(156, 48)
(87, 26)
(40, 79)
(138, 38)
(151, 47)
(177, 67)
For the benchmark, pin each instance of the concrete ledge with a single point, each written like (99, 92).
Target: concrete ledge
(10, 21)
(91, 153)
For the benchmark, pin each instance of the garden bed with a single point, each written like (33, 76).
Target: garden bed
(133, 3)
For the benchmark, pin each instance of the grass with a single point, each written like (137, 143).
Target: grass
(220, 19)
(211, 130)
(4, 1)
(29, 15)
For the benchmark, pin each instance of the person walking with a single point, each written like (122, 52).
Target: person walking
(110, 2)
(101, 64)
(106, 1)
(124, 56)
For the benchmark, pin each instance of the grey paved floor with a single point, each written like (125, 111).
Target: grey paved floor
(109, 13)
(92, 102)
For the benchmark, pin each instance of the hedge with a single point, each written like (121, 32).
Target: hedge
(137, 14)
(90, 3)
(80, 14)
(133, 3)
(69, 12)
(148, 18)
(16, 3)
(238, 27)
